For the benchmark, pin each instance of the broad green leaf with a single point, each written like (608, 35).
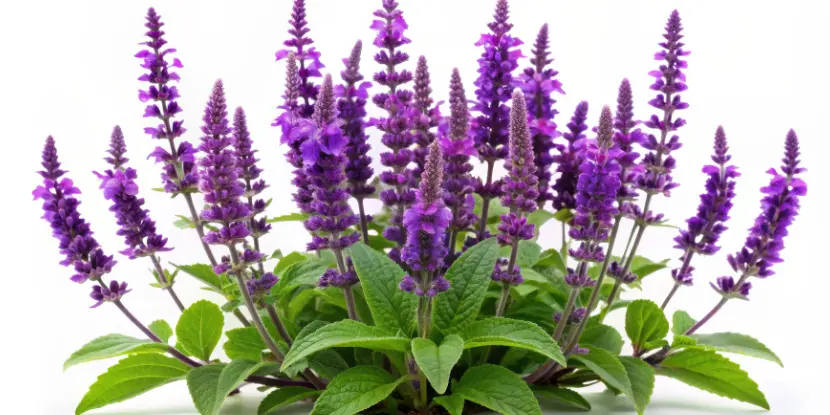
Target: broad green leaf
(392, 308)
(200, 328)
(344, 333)
(497, 389)
(608, 368)
(244, 343)
(603, 337)
(500, 331)
(205, 274)
(736, 343)
(131, 377)
(298, 274)
(561, 397)
(681, 322)
(552, 258)
(643, 267)
(283, 397)
(355, 390)
(469, 277)
(641, 377)
(494, 210)
(209, 385)
(645, 322)
(616, 305)
(707, 370)
(454, 404)
(528, 254)
(291, 217)
(287, 261)
(538, 218)
(563, 215)
(680, 341)
(437, 361)
(162, 329)
(112, 345)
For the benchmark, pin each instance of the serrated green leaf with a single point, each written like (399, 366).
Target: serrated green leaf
(736, 343)
(209, 385)
(112, 345)
(608, 368)
(291, 217)
(562, 398)
(355, 390)
(454, 404)
(528, 254)
(344, 333)
(205, 274)
(603, 337)
(162, 329)
(469, 277)
(497, 389)
(641, 377)
(287, 261)
(283, 397)
(709, 371)
(437, 361)
(645, 323)
(200, 328)
(500, 331)
(680, 341)
(392, 308)
(244, 343)
(131, 377)
(682, 322)
(299, 274)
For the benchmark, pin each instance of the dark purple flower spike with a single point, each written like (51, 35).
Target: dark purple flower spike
(569, 158)
(308, 59)
(250, 174)
(424, 116)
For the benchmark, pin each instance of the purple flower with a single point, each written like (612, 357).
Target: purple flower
(396, 125)
(575, 317)
(259, 287)
(424, 118)
(502, 274)
(569, 159)
(135, 224)
(617, 271)
(704, 229)
(351, 107)
(625, 136)
(249, 172)
(60, 209)
(334, 278)
(779, 207)
(579, 279)
(179, 173)
(538, 84)
(113, 292)
(322, 151)
(726, 286)
(307, 58)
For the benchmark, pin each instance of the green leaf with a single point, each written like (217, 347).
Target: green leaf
(291, 217)
(454, 404)
(200, 328)
(205, 274)
(643, 267)
(528, 254)
(538, 218)
(681, 322)
(469, 277)
(645, 322)
(680, 341)
(131, 377)
(162, 329)
(497, 389)
(608, 368)
(344, 333)
(736, 343)
(563, 215)
(209, 385)
(641, 377)
(603, 337)
(552, 258)
(112, 345)
(287, 261)
(299, 274)
(183, 222)
(494, 210)
(392, 308)
(437, 361)
(561, 397)
(500, 331)
(616, 305)
(283, 397)
(355, 390)
(709, 371)
(244, 343)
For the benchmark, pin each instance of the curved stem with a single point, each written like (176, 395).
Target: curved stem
(708, 316)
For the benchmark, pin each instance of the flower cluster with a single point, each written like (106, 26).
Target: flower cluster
(424, 117)
(250, 174)
(538, 83)
(259, 287)
(286, 121)
(179, 174)
(625, 136)
(351, 107)
(569, 159)
(308, 59)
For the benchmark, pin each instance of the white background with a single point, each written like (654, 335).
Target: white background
(68, 70)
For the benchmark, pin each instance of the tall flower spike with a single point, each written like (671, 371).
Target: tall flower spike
(308, 59)
(457, 149)
(179, 173)
(250, 174)
(287, 121)
(569, 159)
(538, 84)
(396, 125)
(117, 149)
(424, 118)
(60, 210)
(625, 136)
(491, 125)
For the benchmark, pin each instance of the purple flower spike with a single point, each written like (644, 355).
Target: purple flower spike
(396, 125)
(308, 59)
(457, 149)
(493, 88)
(569, 159)
(287, 121)
(704, 229)
(625, 136)
(113, 292)
(351, 106)
(323, 155)
(538, 84)
(179, 173)
(779, 207)
(135, 224)
(260, 287)
(60, 209)
(424, 118)
(249, 173)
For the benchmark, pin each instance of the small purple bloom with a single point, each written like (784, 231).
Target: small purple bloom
(259, 287)
(616, 271)
(308, 59)
(113, 292)
(726, 286)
